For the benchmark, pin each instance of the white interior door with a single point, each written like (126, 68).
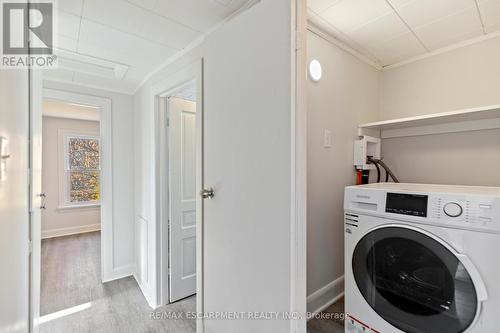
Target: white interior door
(247, 160)
(182, 151)
(14, 218)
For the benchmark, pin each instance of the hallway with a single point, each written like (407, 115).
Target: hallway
(74, 300)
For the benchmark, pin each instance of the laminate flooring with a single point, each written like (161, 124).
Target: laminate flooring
(334, 324)
(73, 298)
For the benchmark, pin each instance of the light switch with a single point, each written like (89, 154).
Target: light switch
(327, 139)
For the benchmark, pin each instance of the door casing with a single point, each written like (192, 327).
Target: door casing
(37, 94)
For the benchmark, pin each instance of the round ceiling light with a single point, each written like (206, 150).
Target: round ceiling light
(315, 70)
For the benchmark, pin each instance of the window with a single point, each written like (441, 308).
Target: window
(82, 170)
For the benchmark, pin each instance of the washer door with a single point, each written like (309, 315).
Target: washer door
(414, 282)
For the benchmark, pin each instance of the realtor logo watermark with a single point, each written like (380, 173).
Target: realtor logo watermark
(27, 34)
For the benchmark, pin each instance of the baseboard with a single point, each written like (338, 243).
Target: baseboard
(120, 273)
(145, 292)
(51, 233)
(325, 296)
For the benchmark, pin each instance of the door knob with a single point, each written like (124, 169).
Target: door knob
(207, 193)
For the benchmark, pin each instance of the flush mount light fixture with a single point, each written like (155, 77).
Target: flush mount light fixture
(315, 71)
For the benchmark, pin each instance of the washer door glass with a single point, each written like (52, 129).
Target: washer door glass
(414, 282)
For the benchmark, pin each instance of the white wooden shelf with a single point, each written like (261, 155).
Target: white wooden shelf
(446, 122)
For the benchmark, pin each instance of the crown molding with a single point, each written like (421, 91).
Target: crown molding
(313, 28)
(444, 50)
(194, 44)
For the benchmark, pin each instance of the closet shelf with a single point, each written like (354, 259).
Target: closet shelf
(474, 119)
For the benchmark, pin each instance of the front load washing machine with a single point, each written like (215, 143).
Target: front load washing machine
(422, 258)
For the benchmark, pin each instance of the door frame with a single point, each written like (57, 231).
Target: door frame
(190, 74)
(105, 128)
(298, 126)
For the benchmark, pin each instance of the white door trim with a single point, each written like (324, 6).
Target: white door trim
(192, 73)
(108, 270)
(298, 278)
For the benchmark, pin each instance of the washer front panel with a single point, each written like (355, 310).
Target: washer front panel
(414, 282)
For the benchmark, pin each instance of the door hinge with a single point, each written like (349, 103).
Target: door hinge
(168, 122)
(30, 247)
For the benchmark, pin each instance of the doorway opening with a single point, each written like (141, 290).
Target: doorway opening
(71, 206)
(179, 114)
(75, 234)
(178, 108)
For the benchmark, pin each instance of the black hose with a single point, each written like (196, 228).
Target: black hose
(388, 171)
(374, 162)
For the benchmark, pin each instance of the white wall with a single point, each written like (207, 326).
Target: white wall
(468, 158)
(346, 96)
(232, 71)
(463, 78)
(123, 172)
(66, 221)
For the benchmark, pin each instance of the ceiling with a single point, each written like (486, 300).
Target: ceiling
(391, 31)
(115, 44)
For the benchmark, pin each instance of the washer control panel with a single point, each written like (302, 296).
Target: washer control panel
(472, 212)
(453, 209)
(462, 207)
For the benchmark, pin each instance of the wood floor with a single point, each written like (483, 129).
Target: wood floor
(71, 282)
(333, 325)
(73, 299)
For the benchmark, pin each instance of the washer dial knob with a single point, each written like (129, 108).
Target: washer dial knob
(452, 209)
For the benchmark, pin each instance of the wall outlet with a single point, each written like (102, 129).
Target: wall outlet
(327, 139)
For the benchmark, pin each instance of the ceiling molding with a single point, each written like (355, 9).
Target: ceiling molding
(249, 4)
(399, 32)
(331, 39)
(197, 42)
(444, 50)
(194, 44)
